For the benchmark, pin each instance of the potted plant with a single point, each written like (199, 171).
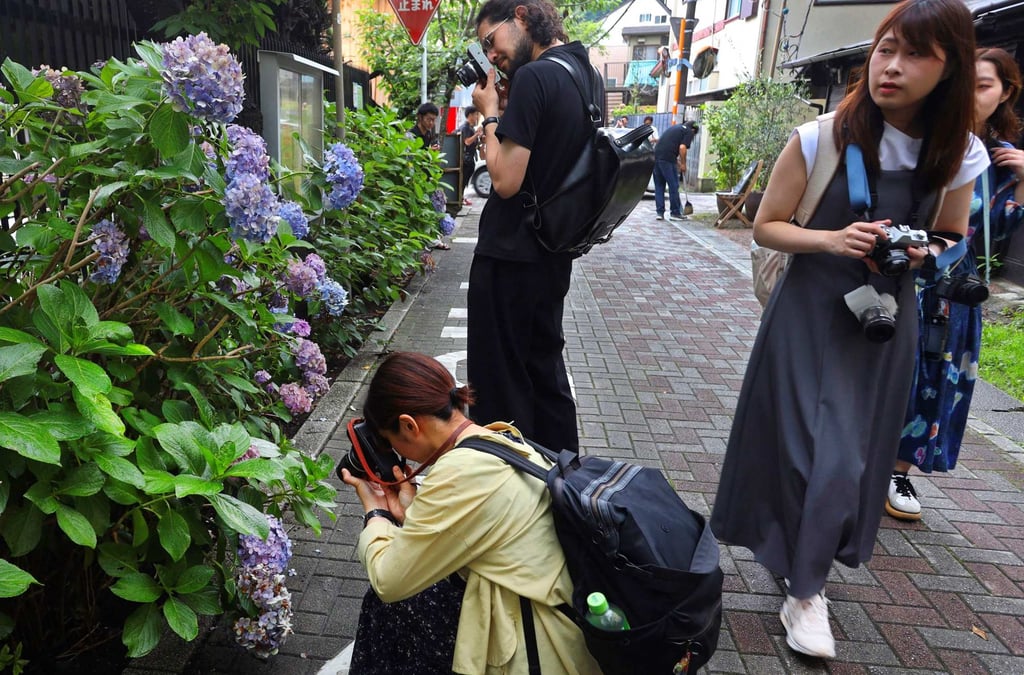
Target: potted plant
(754, 123)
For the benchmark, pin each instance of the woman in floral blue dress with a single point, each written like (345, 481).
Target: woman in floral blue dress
(947, 357)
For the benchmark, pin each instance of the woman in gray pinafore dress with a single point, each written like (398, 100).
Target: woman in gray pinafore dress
(806, 470)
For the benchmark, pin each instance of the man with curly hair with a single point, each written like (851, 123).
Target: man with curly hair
(516, 287)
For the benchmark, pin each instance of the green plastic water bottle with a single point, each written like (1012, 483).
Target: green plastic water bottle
(605, 615)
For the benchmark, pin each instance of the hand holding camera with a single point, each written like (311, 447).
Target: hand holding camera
(891, 251)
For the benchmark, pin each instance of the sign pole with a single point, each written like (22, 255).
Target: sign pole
(339, 65)
(423, 76)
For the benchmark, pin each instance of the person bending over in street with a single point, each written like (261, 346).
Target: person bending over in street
(473, 515)
(669, 164)
(517, 288)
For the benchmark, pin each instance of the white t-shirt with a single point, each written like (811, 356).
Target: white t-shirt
(898, 152)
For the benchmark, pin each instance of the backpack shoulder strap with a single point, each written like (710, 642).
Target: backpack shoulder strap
(593, 110)
(510, 457)
(826, 162)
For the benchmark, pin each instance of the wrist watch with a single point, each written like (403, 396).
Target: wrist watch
(489, 120)
(381, 513)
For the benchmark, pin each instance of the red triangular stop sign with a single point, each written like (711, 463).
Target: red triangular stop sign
(415, 15)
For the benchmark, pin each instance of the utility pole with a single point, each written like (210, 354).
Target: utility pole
(682, 74)
(339, 65)
(423, 72)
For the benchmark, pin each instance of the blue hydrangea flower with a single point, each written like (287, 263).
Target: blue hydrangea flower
(438, 199)
(261, 377)
(248, 154)
(295, 398)
(300, 279)
(251, 208)
(291, 213)
(203, 78)
(344, 175)
(112, 245)
(334, 296)
(447, 225)
(275, 551)
(309, 358)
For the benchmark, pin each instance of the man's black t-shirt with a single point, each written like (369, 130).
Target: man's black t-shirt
(428, 139)
(668, 145)
(545, 114)
(468, 151)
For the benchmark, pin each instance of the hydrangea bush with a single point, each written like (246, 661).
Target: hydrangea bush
(151, 344)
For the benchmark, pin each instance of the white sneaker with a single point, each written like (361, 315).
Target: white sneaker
(659, 217)
(807, 629)
(902, 502)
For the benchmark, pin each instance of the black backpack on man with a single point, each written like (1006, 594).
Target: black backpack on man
(626, 533)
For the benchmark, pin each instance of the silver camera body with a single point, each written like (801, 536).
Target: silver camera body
(475, 68)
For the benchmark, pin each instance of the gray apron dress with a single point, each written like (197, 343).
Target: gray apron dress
(819, 416)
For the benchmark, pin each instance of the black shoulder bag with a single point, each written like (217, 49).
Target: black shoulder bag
(602, 188)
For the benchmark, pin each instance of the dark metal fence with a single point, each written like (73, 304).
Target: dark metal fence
(65, 33)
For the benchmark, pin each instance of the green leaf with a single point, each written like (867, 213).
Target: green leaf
(117, 559)
(87, 376)
(142, 631)
(158, 482)
(184, 442)
(155, 220)
(110, 330)
(111, 349)
(64, 425)
(140, 528)
(257, 469)
(239, 516)
(176, 411)
(97, 409)
(82, 481)
(22, 526)
(205, 601)
(181, 619)
(20, 359)
(137, 587)
(150, 53)
(186, 484)
(20, 77)
(169, 130)
(76, 526)
(188, 215)
(240, 383)
(13, 580)
(29, 439)
(121, 469)
(193, 579)
(176, 322)
(15, 336)
(108, 190)
(174, 536)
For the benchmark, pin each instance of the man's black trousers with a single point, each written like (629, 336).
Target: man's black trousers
(515, 348)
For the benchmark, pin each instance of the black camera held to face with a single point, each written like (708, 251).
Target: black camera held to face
(475, 68)
(366, 460)
(891, 254)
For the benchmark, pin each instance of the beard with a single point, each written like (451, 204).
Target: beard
(522, 55)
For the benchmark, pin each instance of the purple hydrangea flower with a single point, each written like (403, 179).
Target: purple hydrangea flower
(438, 199)
(262, 377)
(275, 551)
(300, 279)
(447, 225)
(300, 327)
(264, 633)
(344, 175)
(112, 245)
(291, 213)
(67, 88)
(309, 358)
(251, 208)
(429, 264)
(334, 297)
(317, 264)
(251, 453)
(295, 398)
(248, 154)
(316, 385)
(202, 78)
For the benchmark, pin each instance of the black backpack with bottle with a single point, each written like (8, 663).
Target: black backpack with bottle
(626, 533)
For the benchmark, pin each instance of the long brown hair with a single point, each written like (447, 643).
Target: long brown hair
(1003, 123)
(407, 383)
(948, 111)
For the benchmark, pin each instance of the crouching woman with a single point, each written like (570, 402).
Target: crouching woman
(473, 515)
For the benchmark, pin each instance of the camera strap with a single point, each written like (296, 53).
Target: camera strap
(447, 445)
(985, 197)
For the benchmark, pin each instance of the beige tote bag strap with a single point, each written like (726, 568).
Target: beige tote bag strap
(826, 162)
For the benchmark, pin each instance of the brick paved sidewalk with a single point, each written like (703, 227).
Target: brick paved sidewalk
(658, 326)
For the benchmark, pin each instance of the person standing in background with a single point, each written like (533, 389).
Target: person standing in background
(947, 353)
(426, 119)
(669, 163)
(470, 135)
(653, 138)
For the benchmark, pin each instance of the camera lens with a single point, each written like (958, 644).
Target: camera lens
(895, 263)
(974, 293)
(351, 462)
(878, 324)
(467, 74)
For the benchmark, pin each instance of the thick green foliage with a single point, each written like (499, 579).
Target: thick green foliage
(126, 407)
(754, 123)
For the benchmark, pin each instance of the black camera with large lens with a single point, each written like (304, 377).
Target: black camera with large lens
(366, 457)
(876, 314)
(890, 254)
(475, 68)
(968, 290)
